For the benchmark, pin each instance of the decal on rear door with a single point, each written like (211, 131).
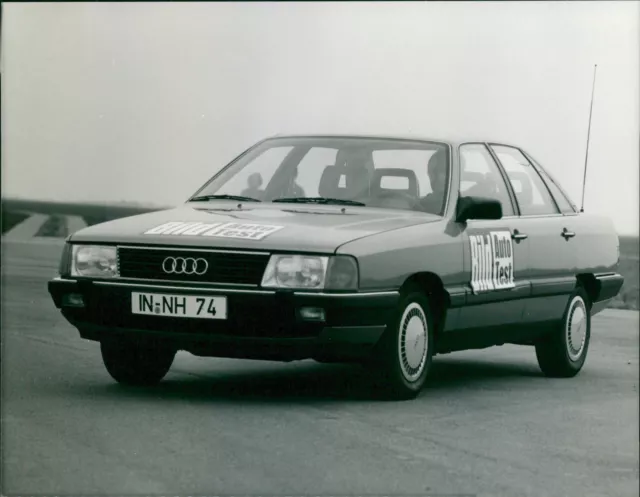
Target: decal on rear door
(491, 261)
(227, 230)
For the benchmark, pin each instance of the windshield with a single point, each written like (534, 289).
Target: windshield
(364, 172)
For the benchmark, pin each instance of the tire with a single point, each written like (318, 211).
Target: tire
(563, 352)
(136, 364)
(402, 371)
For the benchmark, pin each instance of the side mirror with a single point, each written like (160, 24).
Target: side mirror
(478, 208)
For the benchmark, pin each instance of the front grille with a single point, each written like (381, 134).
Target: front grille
(223, 267)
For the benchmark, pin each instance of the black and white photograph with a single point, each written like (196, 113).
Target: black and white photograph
(333, 248)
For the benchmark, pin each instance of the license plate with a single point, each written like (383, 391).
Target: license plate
(179, 306)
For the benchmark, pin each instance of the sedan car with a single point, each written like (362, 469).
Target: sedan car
(383, 251)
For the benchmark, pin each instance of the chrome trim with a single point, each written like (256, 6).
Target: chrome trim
(544, 182)
(175, 247)
(503, 174)
(537, 165)
(134, 281)
(491, 146)
(559, 214)
(230, 290)
(530, 216)
(445, 211)
(353, 294)
(188, 288)
(207, 283)
(605, 275)
(184, 265)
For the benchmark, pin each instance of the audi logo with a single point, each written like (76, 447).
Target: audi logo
(185, 265)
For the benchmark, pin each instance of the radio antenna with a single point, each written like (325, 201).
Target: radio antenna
(586, 156)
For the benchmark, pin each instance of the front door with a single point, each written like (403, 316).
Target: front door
(496, 253)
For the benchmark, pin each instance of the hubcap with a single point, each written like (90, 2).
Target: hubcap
(413, 342)
(576, 328)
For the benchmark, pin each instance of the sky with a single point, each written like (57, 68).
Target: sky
(144, 102)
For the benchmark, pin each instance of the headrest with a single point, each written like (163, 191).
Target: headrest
(472, 176)
(524, 194)
(437, 161)
(379, 174)
(522, 179)
(330, 182)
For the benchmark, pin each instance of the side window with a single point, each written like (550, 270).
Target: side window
(312, 166)
(479, 175)
(566, 207)
(533, 197)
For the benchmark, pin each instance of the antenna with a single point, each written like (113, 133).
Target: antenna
(586, 157)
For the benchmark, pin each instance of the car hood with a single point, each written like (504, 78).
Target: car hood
(260, 227)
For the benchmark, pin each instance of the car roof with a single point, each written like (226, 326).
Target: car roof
(453, 140)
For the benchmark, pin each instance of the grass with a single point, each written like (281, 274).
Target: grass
(11, 219)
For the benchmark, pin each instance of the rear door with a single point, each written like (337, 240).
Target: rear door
(496, 255)
(552, 251)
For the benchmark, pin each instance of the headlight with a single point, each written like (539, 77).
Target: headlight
(94, 260)
(310, 272)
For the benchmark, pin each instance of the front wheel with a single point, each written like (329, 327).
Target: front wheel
(562, 353)
(403, 357)
(136, 364)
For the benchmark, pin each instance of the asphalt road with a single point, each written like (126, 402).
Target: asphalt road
(488, 422)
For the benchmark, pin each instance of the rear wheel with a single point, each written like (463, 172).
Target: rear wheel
(136, 364)
(563, 352)
(403, 357)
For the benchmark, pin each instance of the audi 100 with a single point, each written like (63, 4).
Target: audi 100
(381, 251)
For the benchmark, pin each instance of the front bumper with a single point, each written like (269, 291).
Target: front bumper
(260, 324)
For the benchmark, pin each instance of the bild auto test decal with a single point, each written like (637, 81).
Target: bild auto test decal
(491, 261)
(246, 231)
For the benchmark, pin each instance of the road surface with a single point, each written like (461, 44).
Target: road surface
(488, 422)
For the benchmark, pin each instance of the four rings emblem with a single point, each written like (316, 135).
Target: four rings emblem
(185, 265)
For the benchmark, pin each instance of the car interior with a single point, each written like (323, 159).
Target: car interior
(490, 185)
(345, 183)
(352, 176)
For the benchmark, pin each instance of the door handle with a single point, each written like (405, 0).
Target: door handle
(567, 234)
(518, 236)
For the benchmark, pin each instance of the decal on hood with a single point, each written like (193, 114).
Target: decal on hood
(247, 231)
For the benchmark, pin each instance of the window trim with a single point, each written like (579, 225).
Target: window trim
(230, 164)
(559, 213)
(563, 193)
(286, 163)
(445, 208)
(514, 206)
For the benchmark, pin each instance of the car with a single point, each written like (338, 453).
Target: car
(382, 251)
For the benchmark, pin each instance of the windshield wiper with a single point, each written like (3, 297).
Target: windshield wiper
(204, 198)
(318, 200)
